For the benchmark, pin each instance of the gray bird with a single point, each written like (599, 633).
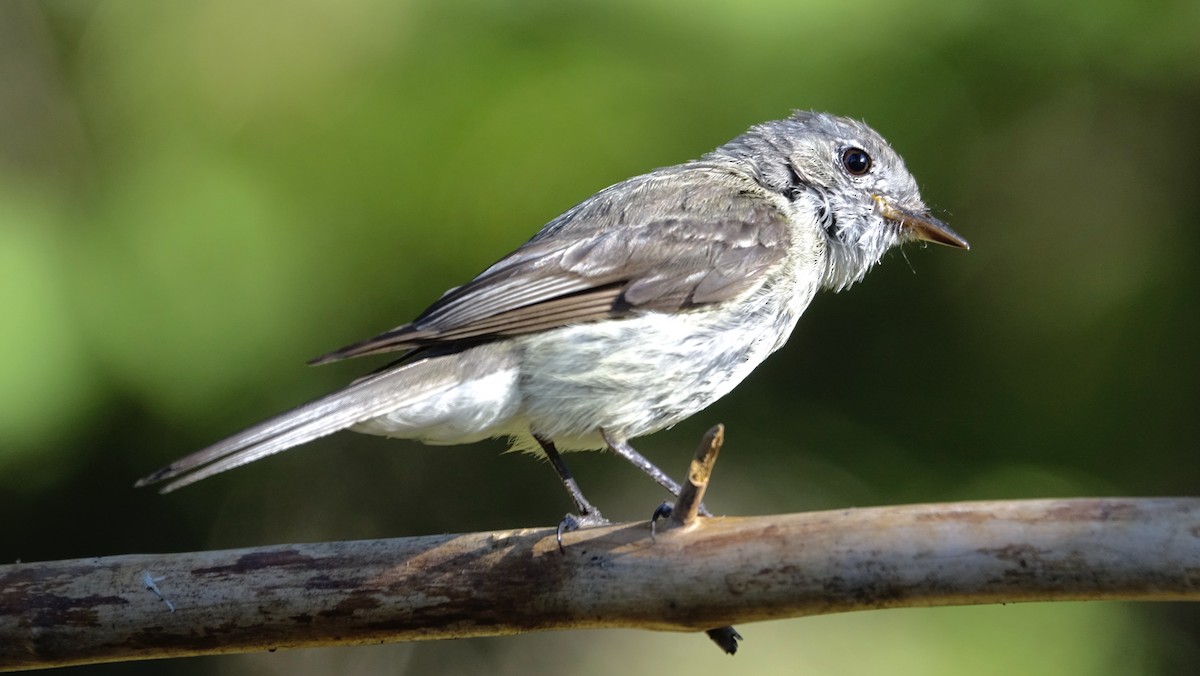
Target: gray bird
(635, 309)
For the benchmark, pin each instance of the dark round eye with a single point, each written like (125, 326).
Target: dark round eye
(856, 161)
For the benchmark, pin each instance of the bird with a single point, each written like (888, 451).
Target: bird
(630, 312)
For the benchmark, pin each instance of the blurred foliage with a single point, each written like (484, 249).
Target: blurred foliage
(197, 196)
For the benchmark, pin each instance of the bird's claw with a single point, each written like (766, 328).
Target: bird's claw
(663, 511)
(571, 522)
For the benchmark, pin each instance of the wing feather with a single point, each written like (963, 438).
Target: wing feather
(669, 240)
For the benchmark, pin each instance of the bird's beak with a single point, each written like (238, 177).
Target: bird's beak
(921, 226)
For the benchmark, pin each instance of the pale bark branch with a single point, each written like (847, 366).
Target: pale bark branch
(716, 572)
(691, 495)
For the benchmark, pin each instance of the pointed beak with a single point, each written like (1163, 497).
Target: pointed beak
(921, 226)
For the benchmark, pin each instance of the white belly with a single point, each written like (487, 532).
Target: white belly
(631, 376)
(643, 374)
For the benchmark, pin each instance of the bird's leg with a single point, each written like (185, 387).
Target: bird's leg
(588, 514)
(623, 449)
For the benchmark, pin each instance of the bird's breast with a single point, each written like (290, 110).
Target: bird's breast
(640, 374)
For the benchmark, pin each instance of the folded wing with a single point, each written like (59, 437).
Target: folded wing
(666, 241)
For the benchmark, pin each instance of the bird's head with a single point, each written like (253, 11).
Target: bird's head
(844, 177)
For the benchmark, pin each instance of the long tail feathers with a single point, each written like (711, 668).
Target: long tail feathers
(367, 398)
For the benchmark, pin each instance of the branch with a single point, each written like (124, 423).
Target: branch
(716, 572)
(685, 513)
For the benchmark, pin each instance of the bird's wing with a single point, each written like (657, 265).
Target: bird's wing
(666, 241)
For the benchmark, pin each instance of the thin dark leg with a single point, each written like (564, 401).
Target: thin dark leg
(586, 511)
(623, 449)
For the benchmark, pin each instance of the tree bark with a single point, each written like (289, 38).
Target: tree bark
(710, 573)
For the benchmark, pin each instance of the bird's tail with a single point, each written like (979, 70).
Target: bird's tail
(366, 398)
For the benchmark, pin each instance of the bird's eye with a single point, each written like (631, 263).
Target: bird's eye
(856, 161)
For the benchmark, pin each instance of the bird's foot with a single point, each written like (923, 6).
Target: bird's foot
(665, 510)
(572, 522)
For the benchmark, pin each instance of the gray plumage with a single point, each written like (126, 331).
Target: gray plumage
(631, 311)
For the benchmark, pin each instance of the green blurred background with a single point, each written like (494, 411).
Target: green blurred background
(195, 197)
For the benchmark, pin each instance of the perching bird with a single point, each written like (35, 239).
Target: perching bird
(632, 311)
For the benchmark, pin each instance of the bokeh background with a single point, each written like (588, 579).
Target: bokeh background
(195, 197)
